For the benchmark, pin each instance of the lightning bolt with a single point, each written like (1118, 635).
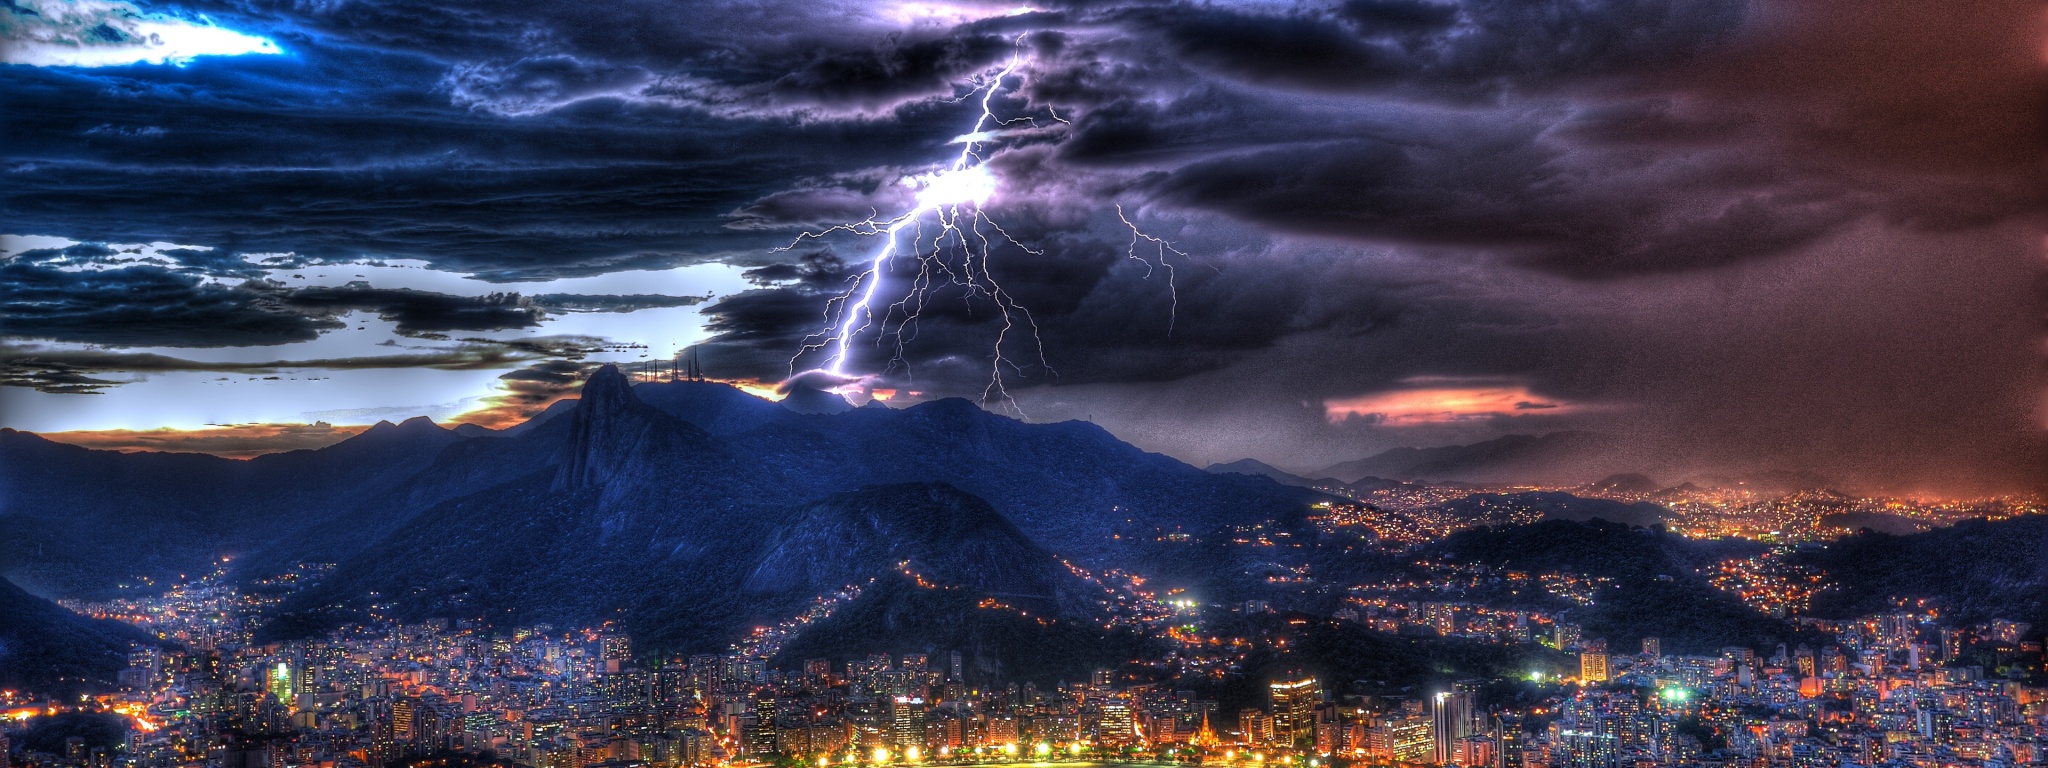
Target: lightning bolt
(949, 219)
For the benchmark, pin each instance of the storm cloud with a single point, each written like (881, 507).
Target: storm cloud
(1359, 194)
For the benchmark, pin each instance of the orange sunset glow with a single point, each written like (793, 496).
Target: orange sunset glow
(239, 441)
(1440, 405)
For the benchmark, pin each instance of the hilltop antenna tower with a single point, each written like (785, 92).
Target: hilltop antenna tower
(693, 368)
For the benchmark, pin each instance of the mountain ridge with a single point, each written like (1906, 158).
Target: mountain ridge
(1569, 455)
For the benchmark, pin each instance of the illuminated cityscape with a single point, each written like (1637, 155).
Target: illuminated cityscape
(1903, 688)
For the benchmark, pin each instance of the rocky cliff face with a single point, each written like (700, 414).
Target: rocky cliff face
(615, 439)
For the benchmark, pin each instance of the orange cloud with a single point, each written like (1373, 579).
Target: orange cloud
(239, 441)
(1440, 405)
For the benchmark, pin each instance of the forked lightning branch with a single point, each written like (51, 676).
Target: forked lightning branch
(950, 237)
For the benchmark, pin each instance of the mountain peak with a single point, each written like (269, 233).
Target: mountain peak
(606, 388)
(804, 398)
(613, 432)
(385, 430)
(601, 430)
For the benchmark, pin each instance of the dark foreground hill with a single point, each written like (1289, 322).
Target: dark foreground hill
(930, 530)
(1973, 571)
(1653, 582)
(997, 639)
(44, 647)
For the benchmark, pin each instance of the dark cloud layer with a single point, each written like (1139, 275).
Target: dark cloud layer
(146, 306)
(155, 306)
(75, 371)
(1366, 192)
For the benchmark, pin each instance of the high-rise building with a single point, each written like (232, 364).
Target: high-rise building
(1738, 656)
(1450, 723)
(1652, 647)
(402, 715)
(1475, 752)
(1584, 746)
(906, 727)
(1294, 706)
(616, 651)
(1832, 662)
(1593, 666)
(1951, 644)
(1101, 679)
(1119, 727)
(1256, 725)
(1401, 738)
(1567, 636)
(283, 684)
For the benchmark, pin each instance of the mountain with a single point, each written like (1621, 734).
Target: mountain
(1556, 457)
(78, 522)
(942, 571)
(811, 400)
(1973, 571)
(1071, 486)
(1371, 484)
(1653, 582)
(896, 615)
(930, 529)
(1882, 522)
(1258, 468)
(46, 648)
(554, 409)
(690, 511)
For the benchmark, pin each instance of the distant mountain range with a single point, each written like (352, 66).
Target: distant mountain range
(78, 522)
(1558, 457)
(1258, 468)
(687, 510)
(1586, 459)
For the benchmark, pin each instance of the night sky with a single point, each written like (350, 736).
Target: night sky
(1737, 237)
